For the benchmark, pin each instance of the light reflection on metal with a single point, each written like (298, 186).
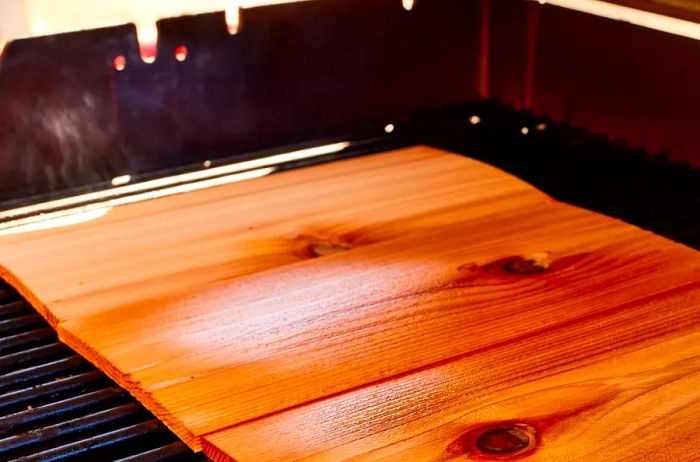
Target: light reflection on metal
(59, 220)
(623, 13)
(147, 36)
(121, 180)
(232, 14)
(93, 211)
(119, 63)
(181, 53)
(198, 175)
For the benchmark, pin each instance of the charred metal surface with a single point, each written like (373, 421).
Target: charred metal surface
(299, 71)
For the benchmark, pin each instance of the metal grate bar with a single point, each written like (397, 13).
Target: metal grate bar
(34, 356)
(58, 368)
(164, 453)
(11, 308)
(101, 441)
(21, 324)
(26, 340)
(51, 389)
(69, 427)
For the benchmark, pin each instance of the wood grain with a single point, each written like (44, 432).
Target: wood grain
(577, 397)
(177, 243)
(443, 285)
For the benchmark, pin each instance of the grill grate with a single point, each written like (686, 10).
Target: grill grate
(55, 406)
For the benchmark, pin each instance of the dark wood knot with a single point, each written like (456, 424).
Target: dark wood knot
(502, 441)
(506, 440)
(314, 245)
(518, 265)
(534, 264)
(320, 249)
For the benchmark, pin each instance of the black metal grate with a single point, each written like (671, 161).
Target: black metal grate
(55, 406)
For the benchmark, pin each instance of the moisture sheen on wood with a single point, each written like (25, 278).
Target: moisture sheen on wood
(408, 305)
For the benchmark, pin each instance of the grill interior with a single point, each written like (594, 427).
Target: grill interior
(55, 406)
(575, 166)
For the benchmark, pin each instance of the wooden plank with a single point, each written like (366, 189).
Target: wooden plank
(217, 234)
(590, 392)
(427, 259)
(288, 336)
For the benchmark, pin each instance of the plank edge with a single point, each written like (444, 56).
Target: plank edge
(134, 388)
(214, 452)
(17, 284)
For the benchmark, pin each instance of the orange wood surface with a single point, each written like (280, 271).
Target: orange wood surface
(581, 400)
(381, 308)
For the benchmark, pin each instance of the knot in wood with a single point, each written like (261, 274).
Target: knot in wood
(505, 440)
(320, 249)
(534, 264)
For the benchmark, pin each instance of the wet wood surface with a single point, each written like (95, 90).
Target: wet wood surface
(408, 305)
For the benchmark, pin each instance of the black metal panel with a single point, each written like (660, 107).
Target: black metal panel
(294, 72)
(630, 82)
